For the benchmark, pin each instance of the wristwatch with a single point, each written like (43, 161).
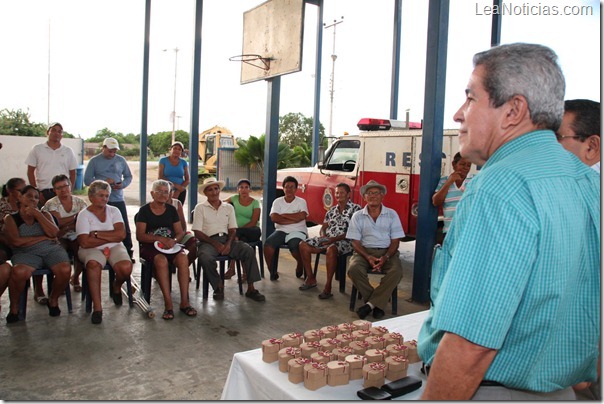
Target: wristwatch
(96, 234)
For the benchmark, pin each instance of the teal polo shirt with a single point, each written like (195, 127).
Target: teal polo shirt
(519, 271)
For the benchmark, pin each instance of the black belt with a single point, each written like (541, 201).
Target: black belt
(485, 383)
(219, 235)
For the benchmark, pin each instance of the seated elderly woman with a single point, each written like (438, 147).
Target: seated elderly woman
(160, 233)
(100, 229)
(32, 235)
(65, 208)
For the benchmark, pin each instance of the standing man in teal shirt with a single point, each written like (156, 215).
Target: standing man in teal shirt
(515, 311)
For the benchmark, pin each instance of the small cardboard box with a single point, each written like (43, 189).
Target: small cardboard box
(360, 335)
(330, 331)
(308, 348)
(356, 366)
(412, 351)
(313, 335)
(376, 355)
(360, 347)
(379, 331)
(295, 369)
(285, 354)
(292, 339)
(330, 343)
(374, 374)
(346, 328)
(396, 364)
(338, 373)
(362, 324)
(270, 349)
(315, 375)
(342, 352)
(398, 350)
(392, 376)
(322, 356)
(346, 338)
(376, 342)
(393, 338)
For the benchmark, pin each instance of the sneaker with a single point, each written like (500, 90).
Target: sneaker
(363, 311)
(97, 317)
(255, 295)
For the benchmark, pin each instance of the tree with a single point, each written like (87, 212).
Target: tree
(295, 130)
(160, 142)
(17, 123)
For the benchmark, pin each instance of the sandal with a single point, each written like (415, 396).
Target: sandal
(306, 286)
(230, 273)
(189, 311)
(97, 317)
(43, 300)
(325, 295)
(76, 285)
(168, 315)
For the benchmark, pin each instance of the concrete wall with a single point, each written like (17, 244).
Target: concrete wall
(16, 148)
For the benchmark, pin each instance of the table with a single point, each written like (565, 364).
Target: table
(250, 378)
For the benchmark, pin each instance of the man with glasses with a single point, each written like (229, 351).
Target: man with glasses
(579, 132)
(375, 232)
(113, 169)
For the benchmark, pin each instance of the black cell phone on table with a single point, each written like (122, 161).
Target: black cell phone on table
(373, 393)
(402, 386)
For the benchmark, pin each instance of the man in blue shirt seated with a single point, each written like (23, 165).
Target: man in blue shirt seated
(375, 232)
(515, 311)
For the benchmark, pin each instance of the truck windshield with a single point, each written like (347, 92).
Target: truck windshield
(343, 156)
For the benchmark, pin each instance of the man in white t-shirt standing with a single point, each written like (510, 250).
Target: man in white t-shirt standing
(46, 160)
(288, 213)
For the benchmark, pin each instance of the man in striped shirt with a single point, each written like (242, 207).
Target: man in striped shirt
(515, 311)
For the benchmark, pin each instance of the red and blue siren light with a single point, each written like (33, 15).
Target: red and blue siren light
(385, 124)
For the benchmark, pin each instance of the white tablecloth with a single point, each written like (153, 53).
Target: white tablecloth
(252, 379)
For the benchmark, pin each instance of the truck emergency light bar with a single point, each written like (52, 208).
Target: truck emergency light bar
(385, 124)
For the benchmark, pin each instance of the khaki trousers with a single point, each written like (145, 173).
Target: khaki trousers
(359, 268)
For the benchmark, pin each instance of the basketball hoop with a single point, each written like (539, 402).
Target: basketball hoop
(250, 59)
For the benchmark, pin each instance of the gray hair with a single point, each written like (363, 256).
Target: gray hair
(98, 185)
(161, 183)
(529, 70)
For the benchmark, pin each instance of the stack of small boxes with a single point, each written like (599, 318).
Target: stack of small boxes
(335, 354)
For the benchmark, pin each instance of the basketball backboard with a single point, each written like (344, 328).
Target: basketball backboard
(274, 30)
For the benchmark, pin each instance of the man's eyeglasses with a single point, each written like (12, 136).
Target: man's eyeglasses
(162, 192)
(373, 193)
(562, 137)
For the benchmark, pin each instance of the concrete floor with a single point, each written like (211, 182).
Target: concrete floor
(131, 357)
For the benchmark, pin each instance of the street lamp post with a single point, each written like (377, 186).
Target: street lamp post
(333, 68)
(173, 115)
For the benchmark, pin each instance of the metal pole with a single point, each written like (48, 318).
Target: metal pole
(316, 125)
(496, 24)
(194, 134)
(432, 146)
(333, 68)
(396, 59)
(271, 146)
(173, 115)
(145, 102)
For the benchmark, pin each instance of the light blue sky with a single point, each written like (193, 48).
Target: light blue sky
(96, 60)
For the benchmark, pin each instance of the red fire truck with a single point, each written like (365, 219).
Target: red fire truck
(386, 151)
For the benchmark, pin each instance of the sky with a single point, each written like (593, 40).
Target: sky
(91, 53)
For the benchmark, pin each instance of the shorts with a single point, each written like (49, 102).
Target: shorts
(117, 253)
(48, 257)
(248, 234)
(343, 246)
(277, 239)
